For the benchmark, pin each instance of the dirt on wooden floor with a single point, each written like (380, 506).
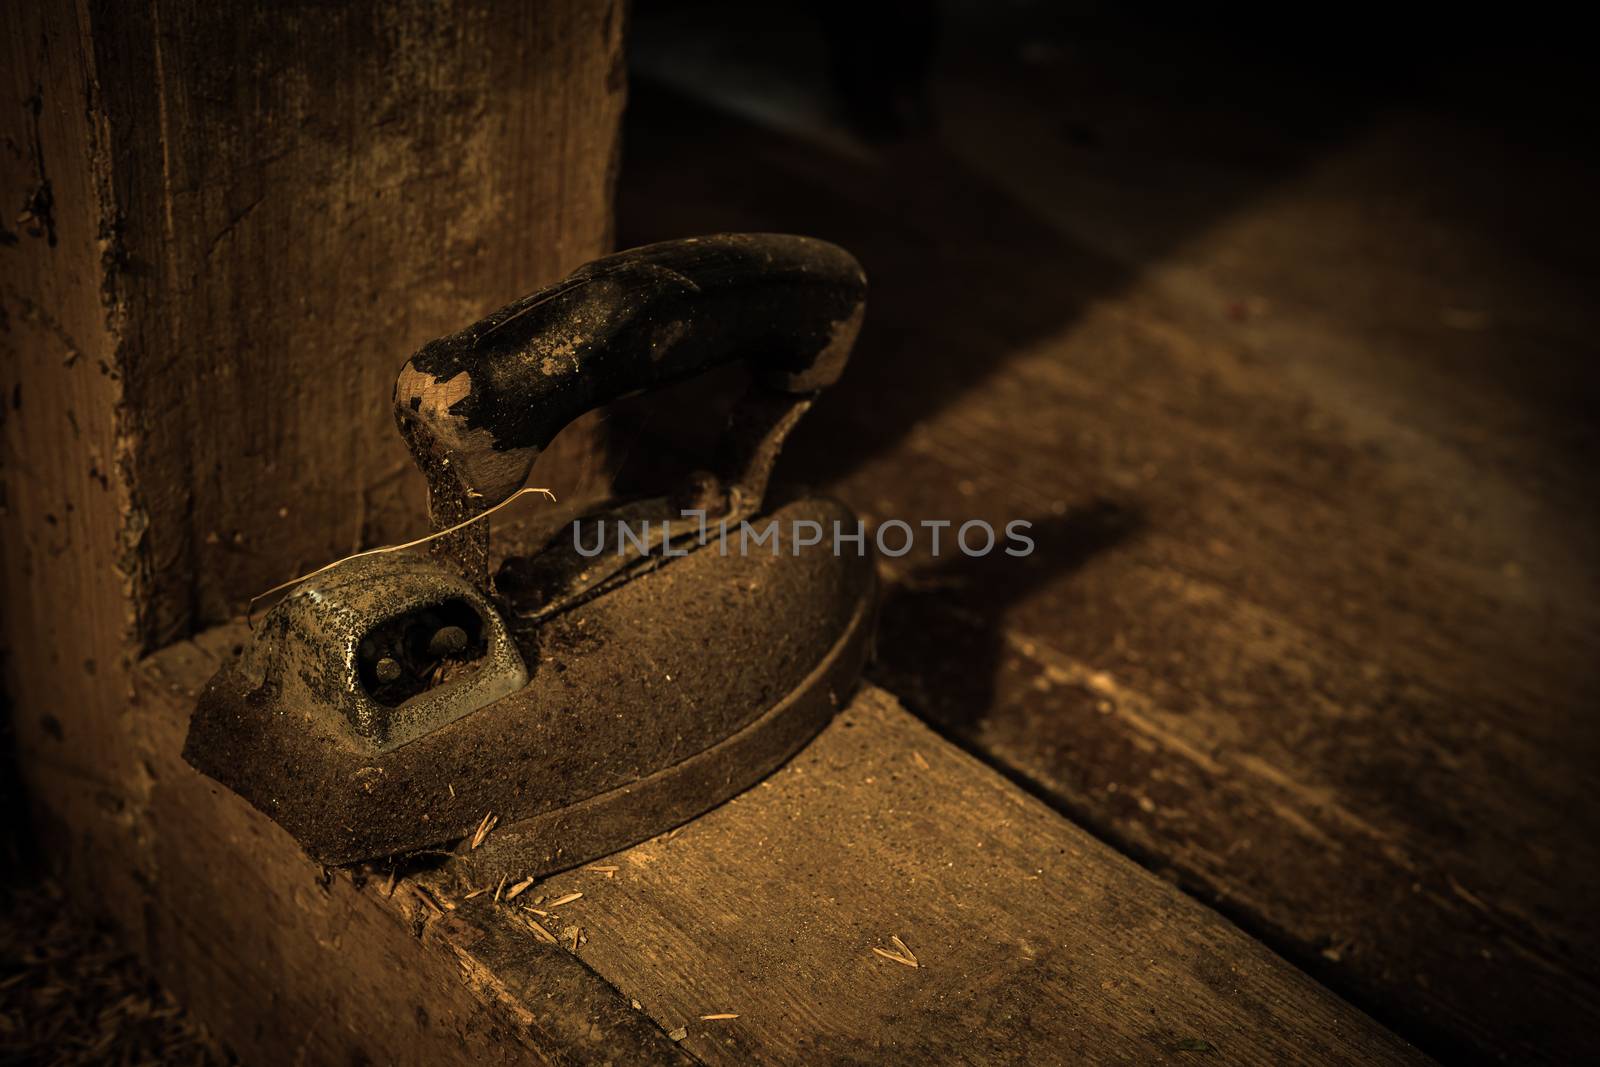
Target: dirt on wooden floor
(70, 995)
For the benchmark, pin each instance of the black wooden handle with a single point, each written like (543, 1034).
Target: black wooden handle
(488, 399)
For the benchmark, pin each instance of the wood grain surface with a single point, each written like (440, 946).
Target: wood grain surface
(1290, 397)
(225, 228)
(304, 196)
(69, 529)
(1033, 942)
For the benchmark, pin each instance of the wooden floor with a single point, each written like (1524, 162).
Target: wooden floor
(1301, 409)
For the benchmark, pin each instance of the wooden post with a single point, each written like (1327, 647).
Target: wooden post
(225, 228)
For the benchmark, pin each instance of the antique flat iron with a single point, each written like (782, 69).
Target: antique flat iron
(627, 675)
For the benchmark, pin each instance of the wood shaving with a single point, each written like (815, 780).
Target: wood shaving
(500, 889)
(483, 829)
(719, 1015)
(514, 891)
(71, 995)
(886, 954)
(568, 899)
(901, 945)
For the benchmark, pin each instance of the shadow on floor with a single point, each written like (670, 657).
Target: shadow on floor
(1179, 132)
(965, 275)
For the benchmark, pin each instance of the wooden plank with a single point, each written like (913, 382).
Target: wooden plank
(68, 526)
(1309, 625)
(1035, 943)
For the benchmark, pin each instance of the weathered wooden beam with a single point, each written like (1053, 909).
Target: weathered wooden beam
(70, 532)
(236, 222)
(1033, 941)
(305, 194)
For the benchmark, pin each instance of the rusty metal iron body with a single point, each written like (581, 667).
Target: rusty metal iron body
(391, 703)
